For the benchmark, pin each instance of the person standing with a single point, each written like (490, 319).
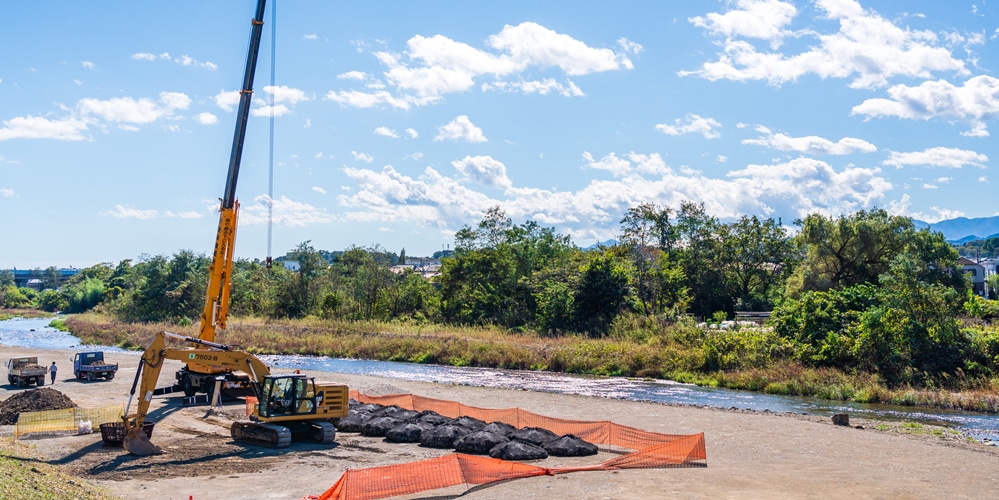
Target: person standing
(52, 370)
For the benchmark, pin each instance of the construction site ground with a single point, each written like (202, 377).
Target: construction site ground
(750, 454)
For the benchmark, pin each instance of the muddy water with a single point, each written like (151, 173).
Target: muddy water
(35, 333)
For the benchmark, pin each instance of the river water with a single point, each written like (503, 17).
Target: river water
(35, 333)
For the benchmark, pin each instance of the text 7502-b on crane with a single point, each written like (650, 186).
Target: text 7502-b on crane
(194, 378)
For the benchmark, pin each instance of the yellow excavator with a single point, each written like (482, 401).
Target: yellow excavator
(288, 406)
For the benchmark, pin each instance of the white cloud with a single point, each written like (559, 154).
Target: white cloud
(286, 212)
(311, 36)
(318, 189)
(485, 170)
(6, 192)
(267, 111)
(285, 94)
(353, 75)
(362, 157)
(901, 207)
(123, 212)
(692, 123)
(89, 65)
(227, 99)
(386, 132)
(461, 128)
(186, 60)
(976, 101)
(811, 145)
(763, 19)
(206, 118)
(134, 111)
(630, 46)
(37, 127)
(143, 56)
(434, 66)
(937, 157)
(867, 47)
(412, 133)
(793, 189)
(542, 87)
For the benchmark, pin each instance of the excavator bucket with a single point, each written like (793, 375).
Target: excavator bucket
(137, 443)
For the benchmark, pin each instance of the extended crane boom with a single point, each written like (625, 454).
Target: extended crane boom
(216, 312)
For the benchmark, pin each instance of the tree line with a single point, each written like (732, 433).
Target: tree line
(866, 291)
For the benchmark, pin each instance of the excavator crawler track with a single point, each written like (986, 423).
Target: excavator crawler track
(323, 432)
(261, 434)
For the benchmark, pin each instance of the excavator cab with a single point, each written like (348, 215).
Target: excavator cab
(287, 395)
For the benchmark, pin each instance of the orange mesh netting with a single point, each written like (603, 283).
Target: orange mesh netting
(652, 450)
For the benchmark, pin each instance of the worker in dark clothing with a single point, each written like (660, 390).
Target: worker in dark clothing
(53, 370)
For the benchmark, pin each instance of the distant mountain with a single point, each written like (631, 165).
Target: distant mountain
(963, 229)
(608, 243)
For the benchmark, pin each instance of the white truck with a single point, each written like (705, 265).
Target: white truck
(25, 371)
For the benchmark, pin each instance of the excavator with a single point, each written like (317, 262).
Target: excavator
(288, 406)
(201, 377)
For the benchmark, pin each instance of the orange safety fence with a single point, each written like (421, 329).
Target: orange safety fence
(651, 450)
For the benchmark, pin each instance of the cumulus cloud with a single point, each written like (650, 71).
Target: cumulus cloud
(184, 60)
(763, 19)
(386, 132)
(135, 111)
(485, 170)
(976, 101)
(434, 66)
(37, 127)
(123, 212)
(792, 189)
(867, 48)
(412, 133)
(901, 207)
(366, 158)
(206, 118)
(6, 192)
(286, 212)
(690, 124)
(811, 145)
(460, 129)
(937, 157)
(227, 99)
(318, 189)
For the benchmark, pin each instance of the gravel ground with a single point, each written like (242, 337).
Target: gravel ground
(750, 454)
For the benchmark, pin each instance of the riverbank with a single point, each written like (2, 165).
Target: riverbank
(750, 454)
(676, 358)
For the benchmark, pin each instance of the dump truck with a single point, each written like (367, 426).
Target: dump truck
(25, 371)
(91, 366)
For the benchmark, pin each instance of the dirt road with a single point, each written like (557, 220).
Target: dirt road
(750, 454)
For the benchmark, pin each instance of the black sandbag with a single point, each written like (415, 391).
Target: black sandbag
(569, 446)
(469, 423)
(479, 442)
(431, 417)
(443, 436)
(533, 435)
(378, 426)
(407, 432)
(518, 450)
(500, 428)
(353, 422)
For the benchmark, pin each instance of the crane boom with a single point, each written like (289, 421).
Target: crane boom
(216, 310)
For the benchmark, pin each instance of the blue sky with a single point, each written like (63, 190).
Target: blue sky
(396, 123)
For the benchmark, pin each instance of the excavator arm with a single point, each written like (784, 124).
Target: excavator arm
(207, 356)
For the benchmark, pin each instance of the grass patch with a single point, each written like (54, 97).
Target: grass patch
(22, 476)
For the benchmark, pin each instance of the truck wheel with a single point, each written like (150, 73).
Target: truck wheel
(78, 375)
(110, 376)
(90, 376)
(40, 381)
(187, 385)
(20, 382)
(10, 380)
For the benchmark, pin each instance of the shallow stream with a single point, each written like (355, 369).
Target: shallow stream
(35, 333)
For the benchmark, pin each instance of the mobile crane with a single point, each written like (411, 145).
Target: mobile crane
(200, 377)
(288, 406)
